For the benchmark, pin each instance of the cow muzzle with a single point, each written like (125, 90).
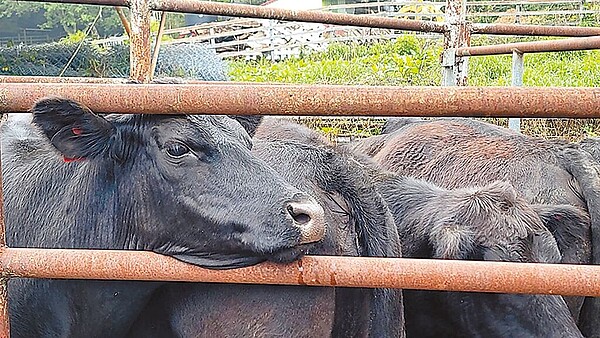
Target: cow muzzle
(309, 218)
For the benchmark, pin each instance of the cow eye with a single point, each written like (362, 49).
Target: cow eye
(177, 150)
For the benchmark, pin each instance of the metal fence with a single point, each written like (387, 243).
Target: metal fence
(518, 51)
(58, 59)
(277, 39)
(111, 95)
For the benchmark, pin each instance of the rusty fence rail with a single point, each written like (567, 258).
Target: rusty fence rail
(407, 273)
(573, 44)
(311, 100)
(269, 99)
(533, 30)
(261, 12)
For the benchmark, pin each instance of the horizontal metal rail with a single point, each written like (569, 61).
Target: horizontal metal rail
(311, 100)
(262, 12)
(533, 47)
(107, 80)
(525, 13)
(426, 274)
(533, 30)
(443, 3)
(54, 79)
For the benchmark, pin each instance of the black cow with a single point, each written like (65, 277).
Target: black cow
(490, 223)
(481, 211)
(415, 202)
(360, 225)
(461, 152)
(184, 186)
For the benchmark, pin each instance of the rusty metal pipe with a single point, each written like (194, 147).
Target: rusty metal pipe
(454, 71)
(261, 12)
(203, 7)
(123, 19)
(139, 49)
(405, 273)
(311, 100)
(4, 319)
(53, 79)
(533, 30)
(533, 47)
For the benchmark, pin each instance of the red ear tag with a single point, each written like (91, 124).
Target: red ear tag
(72, 159)
(77, 131)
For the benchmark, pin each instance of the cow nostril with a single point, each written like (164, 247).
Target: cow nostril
(309, 218)
(299, 215)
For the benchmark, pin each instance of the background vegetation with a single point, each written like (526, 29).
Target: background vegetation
(63, 19)
(411, 60)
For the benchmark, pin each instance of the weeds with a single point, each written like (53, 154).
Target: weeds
(413, 61)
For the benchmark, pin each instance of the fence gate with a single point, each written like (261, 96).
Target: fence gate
(17, 94)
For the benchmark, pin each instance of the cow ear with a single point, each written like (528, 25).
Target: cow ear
(570, 226)
(562, 218)
(72, 128)
(249, 122)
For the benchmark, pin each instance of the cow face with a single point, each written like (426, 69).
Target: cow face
(493, 223)
(185, 186)
(490, 223)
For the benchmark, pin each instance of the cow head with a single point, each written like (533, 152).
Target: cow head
(185, 186)
(489, 223)
(493, 223)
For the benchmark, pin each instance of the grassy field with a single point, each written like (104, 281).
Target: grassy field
(414, 61)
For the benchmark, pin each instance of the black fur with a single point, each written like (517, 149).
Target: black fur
(359, 225)
(214, 204)
(73, 129)
(487, 223)
(464, 152)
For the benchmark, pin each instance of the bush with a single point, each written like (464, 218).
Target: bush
(405, 61)
(48, 60)
(410, 60)
(182, 60)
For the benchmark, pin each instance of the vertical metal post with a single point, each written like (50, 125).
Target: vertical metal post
(123, 19)
(581, 9)
(458, 35)
(157, 42)
(4, 320)
(140, 41)
(516, 80)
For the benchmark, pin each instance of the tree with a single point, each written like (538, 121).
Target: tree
(70, 17)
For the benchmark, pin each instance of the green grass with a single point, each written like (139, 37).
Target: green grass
(414, 61)
(406, 61)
